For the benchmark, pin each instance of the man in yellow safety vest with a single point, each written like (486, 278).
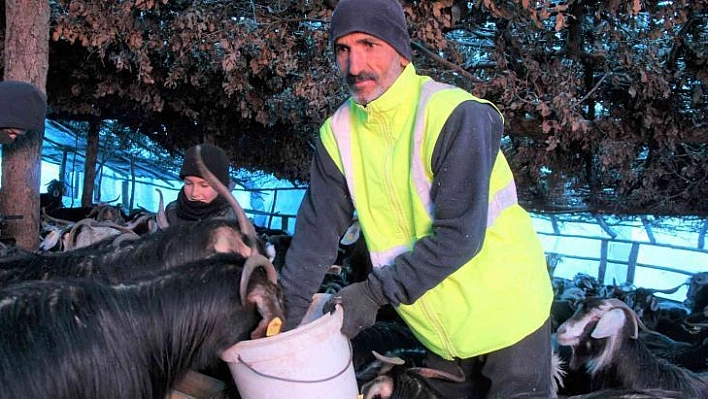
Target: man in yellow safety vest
(453, 252)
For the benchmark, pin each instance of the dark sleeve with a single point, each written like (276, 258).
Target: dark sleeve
(323, 216)
(171, 214)
(462, 163)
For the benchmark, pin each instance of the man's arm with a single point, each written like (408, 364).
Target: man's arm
(462, 163)
(323, 216)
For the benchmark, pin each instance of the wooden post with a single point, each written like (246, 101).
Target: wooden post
(602, 269)
(632, 262)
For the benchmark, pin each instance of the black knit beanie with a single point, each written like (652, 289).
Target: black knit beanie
(384, 19)
(22, 106)
(214, 158)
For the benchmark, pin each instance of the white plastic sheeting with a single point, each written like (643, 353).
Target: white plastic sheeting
(647, 251)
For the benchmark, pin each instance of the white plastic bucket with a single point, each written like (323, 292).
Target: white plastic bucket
(312, 361)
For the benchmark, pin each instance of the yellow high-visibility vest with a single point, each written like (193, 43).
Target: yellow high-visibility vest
(499, 296)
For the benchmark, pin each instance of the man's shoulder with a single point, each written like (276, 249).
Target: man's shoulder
(461, 102)
(446, 92)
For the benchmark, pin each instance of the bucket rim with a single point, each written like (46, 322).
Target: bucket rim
(231, 354)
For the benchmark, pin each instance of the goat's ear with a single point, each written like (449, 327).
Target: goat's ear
(387, 363)
(609, 324)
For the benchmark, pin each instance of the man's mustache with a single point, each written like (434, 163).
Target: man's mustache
(353, 79)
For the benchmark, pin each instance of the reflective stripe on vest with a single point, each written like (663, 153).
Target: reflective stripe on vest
(341, 127)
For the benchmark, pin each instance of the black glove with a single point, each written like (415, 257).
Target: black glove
(360, 304)
(293, 316)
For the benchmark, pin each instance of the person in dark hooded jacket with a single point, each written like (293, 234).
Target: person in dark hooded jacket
(198, 200)
(22, 108)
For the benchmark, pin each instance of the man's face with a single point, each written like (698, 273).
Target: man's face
(8, 135)
(368, 64)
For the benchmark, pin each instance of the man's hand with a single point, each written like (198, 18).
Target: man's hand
(293, 316)
(360, 305)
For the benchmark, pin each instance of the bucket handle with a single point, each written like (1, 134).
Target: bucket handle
(274, 377)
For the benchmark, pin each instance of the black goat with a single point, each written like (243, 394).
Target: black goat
(399, 383)
(604, 334)
(52, 199)
(84, 339)
(398, 380)
(629, 394)
(103, 261)
(98, 212)
(697, 294)
(683, 354)
(388, 338)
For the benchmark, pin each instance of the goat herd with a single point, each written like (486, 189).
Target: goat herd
(126, 316)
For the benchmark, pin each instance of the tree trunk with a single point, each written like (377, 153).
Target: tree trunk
(26, 59)
(90, 164)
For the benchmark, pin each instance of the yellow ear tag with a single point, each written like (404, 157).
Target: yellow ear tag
(360, 396)
(274, 327)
